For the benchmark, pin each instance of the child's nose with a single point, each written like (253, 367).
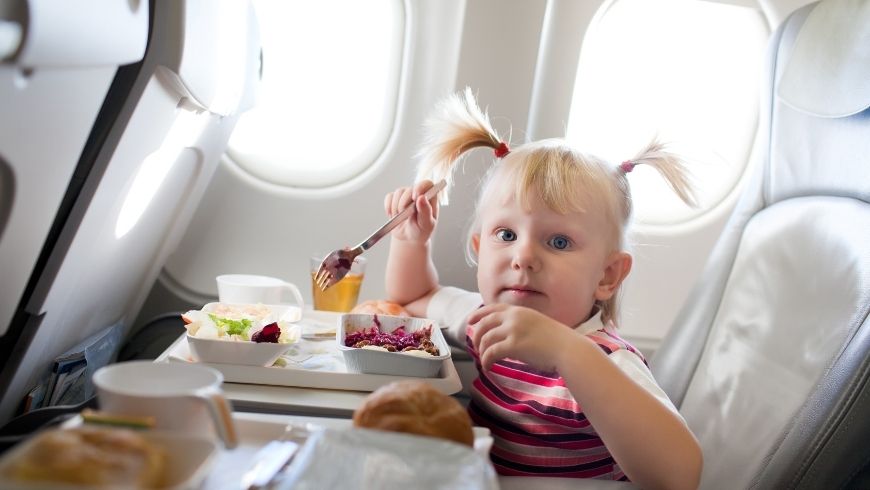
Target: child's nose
(525, 257)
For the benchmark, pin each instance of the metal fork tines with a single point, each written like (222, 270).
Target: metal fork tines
(337, 264)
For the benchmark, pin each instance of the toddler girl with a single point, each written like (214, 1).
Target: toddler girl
(561, 392)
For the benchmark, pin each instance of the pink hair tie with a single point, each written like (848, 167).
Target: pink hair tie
(502, 150)
(627, 166)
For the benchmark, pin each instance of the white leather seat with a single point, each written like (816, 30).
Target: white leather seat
(768, 360)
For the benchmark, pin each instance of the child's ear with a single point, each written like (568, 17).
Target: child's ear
(615, 271)
(475, 242)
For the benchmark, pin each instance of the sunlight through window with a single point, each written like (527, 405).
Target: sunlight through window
(685, 70)
(328, 97)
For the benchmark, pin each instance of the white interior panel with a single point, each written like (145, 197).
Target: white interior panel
(122, 228)
(41, 127)
(63, 34)
(245, 225)
(107, 272)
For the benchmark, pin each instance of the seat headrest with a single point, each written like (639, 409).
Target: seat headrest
(828, 72)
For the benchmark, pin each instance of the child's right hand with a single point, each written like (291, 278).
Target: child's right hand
(420, 225)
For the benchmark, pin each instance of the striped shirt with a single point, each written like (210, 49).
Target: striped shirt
(537, 427)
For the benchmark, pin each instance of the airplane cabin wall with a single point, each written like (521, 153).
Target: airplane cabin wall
(498, 57)
(488, 45)
(520, 58)
(246, 225)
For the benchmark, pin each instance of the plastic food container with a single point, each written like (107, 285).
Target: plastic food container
(227, 351)
(393, 363)
(242, 352)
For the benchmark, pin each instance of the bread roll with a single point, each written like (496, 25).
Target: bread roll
(415, 407)
(91, 456)
(380, 307)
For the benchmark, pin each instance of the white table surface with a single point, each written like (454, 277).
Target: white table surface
(292, 400)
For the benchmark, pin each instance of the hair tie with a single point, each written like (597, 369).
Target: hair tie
(502, 150)
(627, 166)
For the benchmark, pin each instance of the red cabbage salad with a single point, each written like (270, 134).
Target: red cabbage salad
(399, 340)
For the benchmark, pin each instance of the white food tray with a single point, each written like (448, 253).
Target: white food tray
(313, 363)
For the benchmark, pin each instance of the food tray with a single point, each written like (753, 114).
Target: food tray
(380, 362)
(313, 362)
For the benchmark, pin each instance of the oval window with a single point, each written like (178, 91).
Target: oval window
(684, 70)
(327, 100)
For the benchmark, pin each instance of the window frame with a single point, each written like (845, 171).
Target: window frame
(357, 170)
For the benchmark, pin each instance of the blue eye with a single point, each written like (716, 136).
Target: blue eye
(560, 242)
(505, 235)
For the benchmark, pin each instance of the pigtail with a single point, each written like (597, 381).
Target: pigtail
(458, 125)
(670, 165)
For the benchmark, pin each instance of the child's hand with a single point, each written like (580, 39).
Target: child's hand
(419, 226)
(517, 332)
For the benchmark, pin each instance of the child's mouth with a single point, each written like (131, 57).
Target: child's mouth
(521, 292)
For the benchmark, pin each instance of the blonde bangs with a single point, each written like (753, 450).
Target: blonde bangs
(564, 179)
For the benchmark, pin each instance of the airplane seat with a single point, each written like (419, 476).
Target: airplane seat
(768, 359)
(47, 52)
(200, 71)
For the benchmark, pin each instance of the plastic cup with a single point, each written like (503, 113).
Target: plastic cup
(251, 288)
(182, 397)
(343, 295)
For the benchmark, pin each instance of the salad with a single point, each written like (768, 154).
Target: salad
(416, 343)
(254, 323)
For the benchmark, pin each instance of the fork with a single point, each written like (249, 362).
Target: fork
(337, 264)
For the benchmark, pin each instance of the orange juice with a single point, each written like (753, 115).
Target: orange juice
(342, 296)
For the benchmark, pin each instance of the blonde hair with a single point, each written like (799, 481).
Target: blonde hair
(566, 179)
(458, 125)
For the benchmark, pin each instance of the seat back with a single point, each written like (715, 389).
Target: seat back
(151, 165)
(768, 360)
(49, 51)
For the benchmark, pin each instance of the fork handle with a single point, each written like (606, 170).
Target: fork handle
(397, 219)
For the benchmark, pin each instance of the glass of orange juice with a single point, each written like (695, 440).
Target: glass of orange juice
(343, 295)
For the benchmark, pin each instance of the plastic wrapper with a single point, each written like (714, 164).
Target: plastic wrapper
(368, 459)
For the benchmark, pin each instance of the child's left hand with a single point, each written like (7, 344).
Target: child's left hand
(517, 332)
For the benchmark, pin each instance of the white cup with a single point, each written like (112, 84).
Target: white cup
(180, 397)
(250, 288)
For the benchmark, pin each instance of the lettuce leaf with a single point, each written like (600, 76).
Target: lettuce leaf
(232, 327)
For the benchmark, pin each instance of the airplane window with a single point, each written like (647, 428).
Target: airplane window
(329, 89)
(684, 70)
